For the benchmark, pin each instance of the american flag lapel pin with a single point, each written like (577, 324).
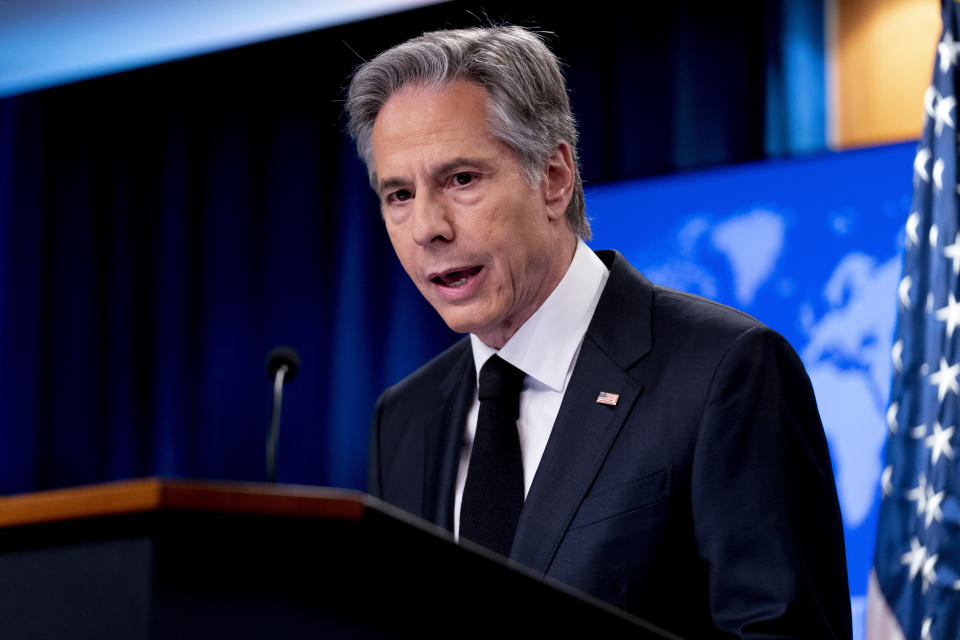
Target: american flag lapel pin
(609, 399)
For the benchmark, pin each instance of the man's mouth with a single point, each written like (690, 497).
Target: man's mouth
(457, 277)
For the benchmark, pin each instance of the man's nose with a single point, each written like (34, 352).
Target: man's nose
(431, 219)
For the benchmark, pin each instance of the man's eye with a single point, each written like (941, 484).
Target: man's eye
(461, 179)
(400, 196)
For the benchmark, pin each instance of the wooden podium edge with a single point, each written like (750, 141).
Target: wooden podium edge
(148, 495)
(158, 494)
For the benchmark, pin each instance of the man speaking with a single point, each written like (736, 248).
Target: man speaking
(643, 445)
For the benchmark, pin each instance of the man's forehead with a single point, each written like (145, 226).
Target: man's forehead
(434, 127)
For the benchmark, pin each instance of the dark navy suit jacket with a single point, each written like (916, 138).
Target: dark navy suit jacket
(704, 501)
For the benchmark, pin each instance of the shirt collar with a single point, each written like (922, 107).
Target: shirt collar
(545, 345)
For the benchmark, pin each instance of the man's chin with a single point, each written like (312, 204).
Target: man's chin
(459, 325)
(460, 320)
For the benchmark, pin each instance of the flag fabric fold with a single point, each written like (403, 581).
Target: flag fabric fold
(917, 558)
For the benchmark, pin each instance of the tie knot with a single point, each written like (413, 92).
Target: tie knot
(500, 380)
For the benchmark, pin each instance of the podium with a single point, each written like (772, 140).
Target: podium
(157, 559)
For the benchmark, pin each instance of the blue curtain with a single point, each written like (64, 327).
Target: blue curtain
(161, 229)
(795, 63)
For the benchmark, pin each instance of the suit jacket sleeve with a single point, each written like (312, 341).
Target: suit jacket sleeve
(374, 484)
(766, 518)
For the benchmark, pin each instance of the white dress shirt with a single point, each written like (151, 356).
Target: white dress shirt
(545, 348)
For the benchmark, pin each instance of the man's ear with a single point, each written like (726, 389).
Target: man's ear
(558, 181)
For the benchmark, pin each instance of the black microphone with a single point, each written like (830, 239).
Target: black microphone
(282, 366)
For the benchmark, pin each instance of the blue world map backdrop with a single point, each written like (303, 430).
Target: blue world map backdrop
(812, 247)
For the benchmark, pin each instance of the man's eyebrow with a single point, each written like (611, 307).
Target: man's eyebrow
(461, 162)
(390, 183)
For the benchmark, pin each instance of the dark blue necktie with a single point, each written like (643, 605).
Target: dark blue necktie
(493, 493)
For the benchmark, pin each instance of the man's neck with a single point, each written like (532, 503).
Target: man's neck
(496, 338)
(546, 345)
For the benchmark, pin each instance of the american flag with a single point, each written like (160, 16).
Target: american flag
(608, 398)
(917, 561)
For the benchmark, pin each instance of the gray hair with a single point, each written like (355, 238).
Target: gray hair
(528, 107)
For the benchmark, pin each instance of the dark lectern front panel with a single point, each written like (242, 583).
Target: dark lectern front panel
(193, 573)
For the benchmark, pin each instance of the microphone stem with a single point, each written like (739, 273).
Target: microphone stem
(275, 424)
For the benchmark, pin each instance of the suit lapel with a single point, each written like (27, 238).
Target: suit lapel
(584, 431)
(443, 438)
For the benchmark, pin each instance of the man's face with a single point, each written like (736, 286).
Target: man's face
(483, 246)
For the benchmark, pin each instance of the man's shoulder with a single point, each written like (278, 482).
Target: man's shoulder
(672, 323)
(693, 311)
(433, 376)
(689, 326)
(672, 308)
